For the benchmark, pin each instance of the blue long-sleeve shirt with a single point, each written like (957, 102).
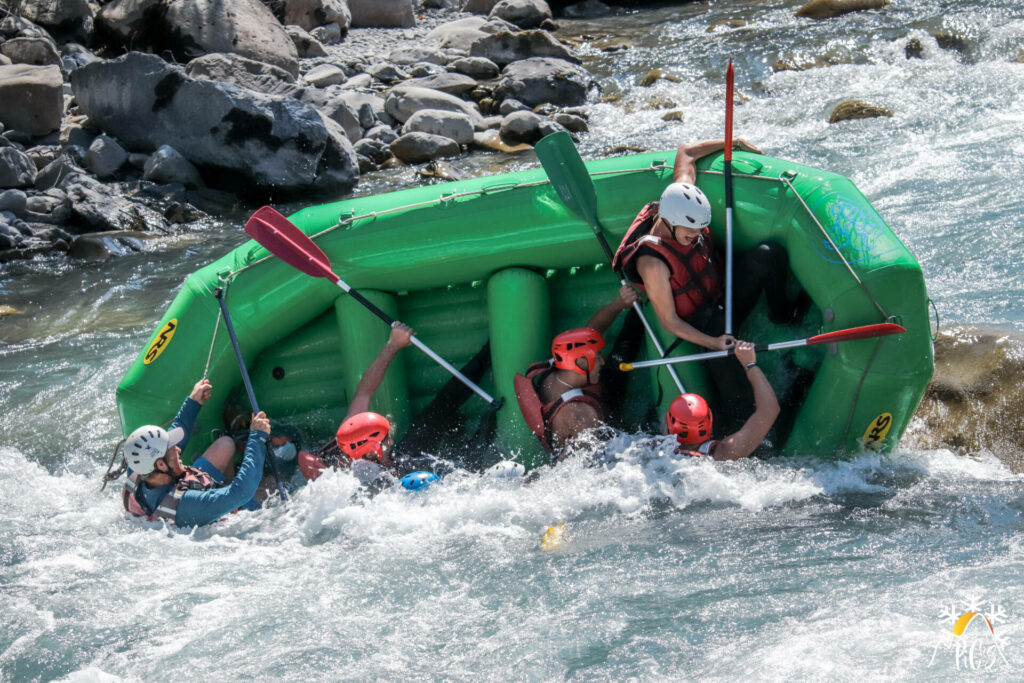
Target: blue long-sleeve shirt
(197, 508)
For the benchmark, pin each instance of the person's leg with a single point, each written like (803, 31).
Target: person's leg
(220, 454)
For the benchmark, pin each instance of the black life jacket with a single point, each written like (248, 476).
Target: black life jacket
(693, 270)
(538, 415)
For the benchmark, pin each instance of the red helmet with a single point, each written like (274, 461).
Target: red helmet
(690, 419)
(362, 434)
(582, 342)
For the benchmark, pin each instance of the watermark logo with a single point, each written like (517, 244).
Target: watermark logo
(971, 636)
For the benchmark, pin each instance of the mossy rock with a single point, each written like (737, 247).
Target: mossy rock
(676, 115)
(826, 9)
(856, 109)
(655, 75)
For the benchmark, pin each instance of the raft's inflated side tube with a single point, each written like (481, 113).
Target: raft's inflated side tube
(437, 261)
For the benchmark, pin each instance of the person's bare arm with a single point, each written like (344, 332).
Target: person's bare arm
(685, 168)
(605, 316)
(766, 410)
(655, 275)
(401, 336)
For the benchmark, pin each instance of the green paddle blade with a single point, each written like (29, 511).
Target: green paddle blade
(561, 161)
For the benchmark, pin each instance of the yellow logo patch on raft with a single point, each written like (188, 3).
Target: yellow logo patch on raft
(163, 338)
(877, 431)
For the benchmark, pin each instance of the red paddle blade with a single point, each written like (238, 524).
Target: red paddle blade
(863, 332)
(728, 111)
(284, 240)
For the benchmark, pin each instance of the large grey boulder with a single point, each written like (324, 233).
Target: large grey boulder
(335, 104)
(244, 27)
(31, 98)
(305, 44)
(522, 13)
(166, 166)
(120, 22)
(479, 68)
(254, 141)
(66, 17)
(451, 83)
(105, 156)
(545, 80)
(382, 13)
(417, 148)
(448, 124)
(459, 34)
(35, 51)
(403, 101)
(14, 201)
(102, 207)
(522, 126)
(505, 47)
(243, 72)
(310, 14)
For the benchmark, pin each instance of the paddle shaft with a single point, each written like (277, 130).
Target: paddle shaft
(219, 293)
(862, 332)
(415, 340)
(728, 197)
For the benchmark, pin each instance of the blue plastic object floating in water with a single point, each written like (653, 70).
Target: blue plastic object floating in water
(417, 481)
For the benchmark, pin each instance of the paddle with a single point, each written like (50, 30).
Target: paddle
(863, 332)
(283, 239)
(219, 293)
(561, 161)
(728, 197)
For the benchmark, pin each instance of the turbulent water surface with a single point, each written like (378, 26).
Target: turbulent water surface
(807, 569)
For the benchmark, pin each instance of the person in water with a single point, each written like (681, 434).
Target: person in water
(561, 397)
(159, 486)
(689, 416)
(669, 253)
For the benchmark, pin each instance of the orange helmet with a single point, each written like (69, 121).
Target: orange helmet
(690, 419)
(362, 434)
(583, 342)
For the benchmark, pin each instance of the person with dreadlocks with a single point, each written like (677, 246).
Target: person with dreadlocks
(160, 487)
(561, 397)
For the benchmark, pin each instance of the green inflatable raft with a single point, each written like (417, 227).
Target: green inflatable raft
(500, 258)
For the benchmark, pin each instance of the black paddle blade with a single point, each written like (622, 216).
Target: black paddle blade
(561, 161)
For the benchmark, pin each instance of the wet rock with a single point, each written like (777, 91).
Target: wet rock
(382, 133)
(522, 13)
(655, 75)
(31, 98)
(166, 166)
(611, 44)
(673, 116)
(451, 83)
(452, 125)
(504, 48)
(309, 14)
(305, 44)
(73, 18)
(826, 9)
(99, 246)
(491, 140)
(382, 13)
(366, 164)
(243, 27)
(405, 56)
(727, 24)
(16, 169)
(256, 142)
(856, 109)
(540, 80)
(120, 21)
(56, 172)
(14, 201)
(35, 51)
(323, 75)
(243, 72)
(376, 151)
(55, 234)
(624, 149)
(403, 101)
(328, 34)
(102, 208)
(799, 63)
(423, 69)
(522, 126)
(588, 9)
(439, 169)
(948, 41)
(571, 122)
(416, 148)
(8, 310)
(105, 156)
(511, 105)
(479, 6)
(386, 73)
(479, 68)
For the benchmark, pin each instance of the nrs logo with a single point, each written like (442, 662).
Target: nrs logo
(163, 338)
(876, 432)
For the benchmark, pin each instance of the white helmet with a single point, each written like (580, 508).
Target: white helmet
(684, 204)
(148, 444)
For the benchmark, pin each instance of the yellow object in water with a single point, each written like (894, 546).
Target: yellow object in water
(554, 537)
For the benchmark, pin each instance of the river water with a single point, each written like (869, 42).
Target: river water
(806, 569)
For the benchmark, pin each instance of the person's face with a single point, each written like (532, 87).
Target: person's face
(171, 462)
(682, 234)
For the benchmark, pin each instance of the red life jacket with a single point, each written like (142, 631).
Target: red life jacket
(538, 415)
(704, 449)
(693, 270)
(193, 480)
